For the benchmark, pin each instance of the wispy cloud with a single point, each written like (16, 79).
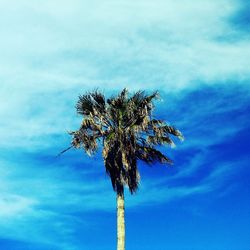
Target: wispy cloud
(120, 43)
(35, 194)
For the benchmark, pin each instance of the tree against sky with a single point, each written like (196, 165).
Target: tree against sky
(127, 131)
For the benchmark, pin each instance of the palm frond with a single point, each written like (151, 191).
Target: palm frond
(151, 155)
(65, 150)
(92, 103)
(173, 131)
(129, 133)
(85, 105)
(99, 99)
(160, 140)
(158, 127)
(81, 139)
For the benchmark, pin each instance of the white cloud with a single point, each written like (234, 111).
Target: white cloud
(60, 47)
(34, 195)
(72, 44)
(14, 205)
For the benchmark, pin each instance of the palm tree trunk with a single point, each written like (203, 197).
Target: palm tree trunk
(120, 222)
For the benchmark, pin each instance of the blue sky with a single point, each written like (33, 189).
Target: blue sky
(196, 53)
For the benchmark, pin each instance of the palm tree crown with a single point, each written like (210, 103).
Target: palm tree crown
(124, 126)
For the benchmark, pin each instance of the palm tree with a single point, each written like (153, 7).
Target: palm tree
(125, 128)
